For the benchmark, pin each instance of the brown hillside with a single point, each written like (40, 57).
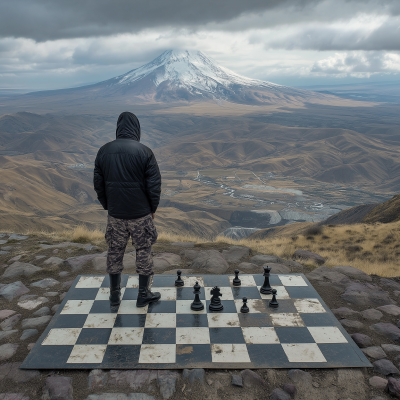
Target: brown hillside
(389, 211)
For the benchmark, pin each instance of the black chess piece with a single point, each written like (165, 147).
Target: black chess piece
(215, 304)
(274, 303)
(236, 281)
(197, 305)
(266, 288)
(244, 308)
(179, 281)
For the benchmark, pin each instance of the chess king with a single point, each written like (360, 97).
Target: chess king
(127, 181)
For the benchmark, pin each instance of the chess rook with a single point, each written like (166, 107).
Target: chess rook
(197, 305)
(244, 309)
(274, 303)
(179, 280)
(215, 304)
(236, 281)
(266, 287)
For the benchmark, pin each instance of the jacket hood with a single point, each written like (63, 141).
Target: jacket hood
(128, 126)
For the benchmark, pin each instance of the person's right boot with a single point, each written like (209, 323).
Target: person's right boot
(145, 296)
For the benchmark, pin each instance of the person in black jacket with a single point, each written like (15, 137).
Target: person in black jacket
(127, 181)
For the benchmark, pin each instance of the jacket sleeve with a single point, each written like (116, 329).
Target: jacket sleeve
(99, 184)
(153, 182)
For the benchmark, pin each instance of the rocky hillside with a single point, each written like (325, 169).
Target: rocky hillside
(36, 273)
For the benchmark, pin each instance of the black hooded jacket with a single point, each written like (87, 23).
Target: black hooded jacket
(126, 175)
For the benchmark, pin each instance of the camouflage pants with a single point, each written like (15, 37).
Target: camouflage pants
(143, 234)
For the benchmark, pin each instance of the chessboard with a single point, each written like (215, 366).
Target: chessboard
(86, 332)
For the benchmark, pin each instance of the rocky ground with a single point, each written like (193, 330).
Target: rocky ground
(36, 274)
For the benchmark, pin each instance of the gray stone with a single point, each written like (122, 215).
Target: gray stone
(50, 294)
(39, 257)
(27, 333)
(3, 252)
(290, 389)
(62, 296)
(194, 375)
(298, 376)
(16, 258)
(393, 387)
(32, 323)
(308, 255)
(11, 371)
(390, 309)
(378, 398)
(55, 308)
(352, 272)
(183, 244)
(14, 236)
(236, 380)
(62, 245)
(54, 261)
(390, 283)
(351, 324)
(210, 261)
(235, 253)
(329, 277)
(58, 388)
(190, 254)
(166, 261)
(344, 312)
(396, 293)
(19, 268)
(374, 352)
(377, 382)
(248, 267)
(6, 334)
(132, 378)
(67, 284)
(6, 313)
(362, 340)
(13, 396)
(97, 379)
(45, 283)
(7, 248)
(63, 274)
(9, 323)
(279, 394)
(8, 350)
(385, 367)
(365, 294)
(3, 241)
(185, 271)
(372, 314)
(32, 302)
(389, 330)
(120, 396)
(252, 379)
(41, 312)
(278, 268)
(262, 259)
(76, 263)
(391, 348)
(167, 382)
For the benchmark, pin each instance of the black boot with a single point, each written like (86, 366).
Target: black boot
(145, 296)
(115, 289)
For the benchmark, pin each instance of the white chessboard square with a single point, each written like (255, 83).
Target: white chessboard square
(192, 336)
(327, 334)
(133, 282)
(157, 354)
(190, 281)
(256, 306)
(287, 319)
(307, 306)
(100, 321)
(226, 292)
(129, 307)
(167, 294)
(220, 320)
(104, 293)
(87, 354)
(160, 320)
(245, 280)
(77, 307)
(292, 280)
(303, 352)
(62, 336)
(86, 282)
(281, 293)
(126, 336)
(183, 307)
(229, 353)
(260, 335)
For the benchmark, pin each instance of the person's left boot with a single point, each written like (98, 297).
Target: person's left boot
(115, 289)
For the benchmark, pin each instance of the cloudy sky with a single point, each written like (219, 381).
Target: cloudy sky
(50, 44)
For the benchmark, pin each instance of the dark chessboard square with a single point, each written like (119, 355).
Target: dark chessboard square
(285, 306)
(130, 321)
(82, 294)
(251, 292)
(229, 306)
(121, 356)
(130, 294)
(216, 280)
(159, 336)
(294, 334)
(260, 352)
(164, 280)
(106, 281)
(319, 319)
(48, 357)
(255, 320)
(94, 336)
(191, 320)
(186, 293)
(226, 335)
(162, 307)
(103, 307)
(191, 355)
(301, 292)
(273, 279)
(341, 354)
(69, 321)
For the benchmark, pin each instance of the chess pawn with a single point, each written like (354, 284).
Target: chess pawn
(266, 287)
(179, 281)
(244, 309)
(273, 303)
(236, 281)
(197, 305)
